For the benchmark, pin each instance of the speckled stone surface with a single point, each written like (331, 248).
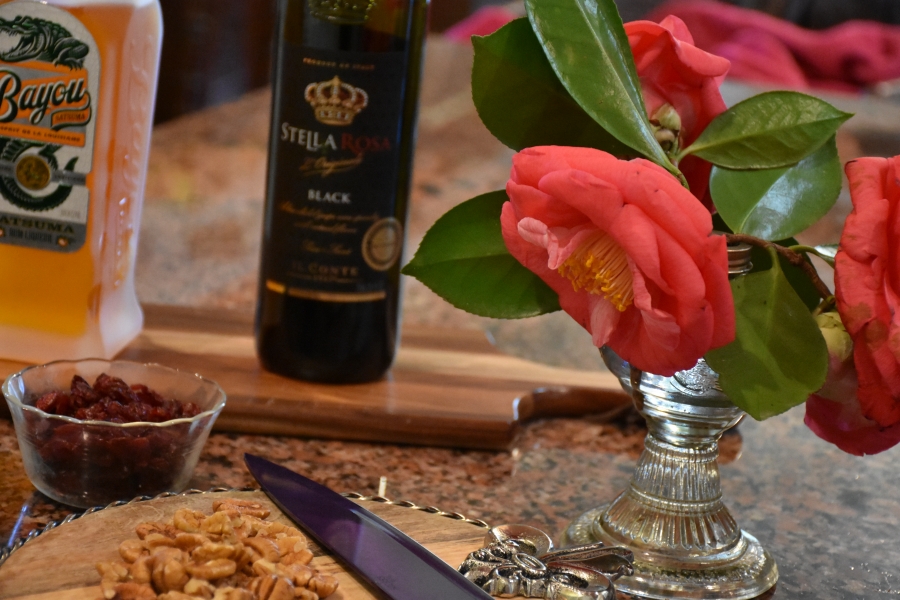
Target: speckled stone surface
(831, 521)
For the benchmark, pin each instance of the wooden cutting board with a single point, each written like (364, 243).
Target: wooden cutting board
(448, 387)
(60, 563)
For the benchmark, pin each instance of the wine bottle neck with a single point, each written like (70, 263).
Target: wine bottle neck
(342, 12)
(349, 25)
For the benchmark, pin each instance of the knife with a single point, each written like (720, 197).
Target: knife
(380, 553)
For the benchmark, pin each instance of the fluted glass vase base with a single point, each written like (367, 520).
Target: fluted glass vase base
(686, 543)
(745, 571)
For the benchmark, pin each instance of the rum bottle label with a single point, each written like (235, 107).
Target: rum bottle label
(49, 81)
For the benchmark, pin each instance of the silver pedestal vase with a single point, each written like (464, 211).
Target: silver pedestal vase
(685, 541)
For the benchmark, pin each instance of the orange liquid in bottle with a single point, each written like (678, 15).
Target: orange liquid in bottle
(75, 304)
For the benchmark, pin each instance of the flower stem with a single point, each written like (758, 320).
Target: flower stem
(680, 176)
(810, 250)
(796, 259)
(826, 305)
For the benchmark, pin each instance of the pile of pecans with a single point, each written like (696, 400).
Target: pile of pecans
(233, 554)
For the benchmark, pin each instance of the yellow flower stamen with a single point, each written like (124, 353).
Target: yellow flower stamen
(599, 266)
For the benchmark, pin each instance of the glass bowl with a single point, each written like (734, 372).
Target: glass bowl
(86, 463)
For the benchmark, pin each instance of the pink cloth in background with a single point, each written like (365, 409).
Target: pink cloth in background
(765, 49)
(762, 48)
(484, 21)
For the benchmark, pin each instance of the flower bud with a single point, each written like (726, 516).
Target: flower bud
(668, 118)
(666, 127)
(839, 342)
(665, 137)
(841, 382)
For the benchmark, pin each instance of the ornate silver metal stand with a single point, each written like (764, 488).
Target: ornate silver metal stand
(685, 542)
(519, 560)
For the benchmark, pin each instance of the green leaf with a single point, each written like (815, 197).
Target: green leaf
(773, 204)
(521, 100)
(762, 261)
(779, 356)
(769, 130)
(719, 224)
(464, 260)
(588, 49)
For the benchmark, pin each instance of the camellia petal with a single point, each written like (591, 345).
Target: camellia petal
(534, 257)
(845, 426)
(641, 269)
(867, 275)
(604, 318)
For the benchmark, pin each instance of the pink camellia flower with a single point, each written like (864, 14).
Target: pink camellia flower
(867, 284)
(677, 75)
(627, 248)
(833, 413)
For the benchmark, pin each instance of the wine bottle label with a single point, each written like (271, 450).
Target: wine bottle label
(335, 153)
(49, 81)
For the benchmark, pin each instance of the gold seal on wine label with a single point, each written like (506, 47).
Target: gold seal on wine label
(382, 244)
(33, 172)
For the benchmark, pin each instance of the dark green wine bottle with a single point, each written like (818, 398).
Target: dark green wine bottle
(345, 97)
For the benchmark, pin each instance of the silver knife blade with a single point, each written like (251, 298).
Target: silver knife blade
(380, 553)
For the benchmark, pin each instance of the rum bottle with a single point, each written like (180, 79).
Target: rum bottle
(77, 88)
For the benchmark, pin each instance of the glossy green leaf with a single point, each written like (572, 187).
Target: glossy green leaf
(521, 100)
(769, 130)
(464, 260)
(719, 224)
(773, 204)
(587, 48)
(779, 356)
(762, 261)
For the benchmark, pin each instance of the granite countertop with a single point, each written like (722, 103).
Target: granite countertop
(830, 520)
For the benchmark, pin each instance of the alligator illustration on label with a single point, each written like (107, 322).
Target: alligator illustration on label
(39, 39)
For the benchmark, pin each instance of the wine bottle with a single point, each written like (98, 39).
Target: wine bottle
(345, 96)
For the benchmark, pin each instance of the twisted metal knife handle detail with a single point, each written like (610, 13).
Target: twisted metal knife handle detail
(519, 560)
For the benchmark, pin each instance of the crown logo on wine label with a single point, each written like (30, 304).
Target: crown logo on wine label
(335, 102)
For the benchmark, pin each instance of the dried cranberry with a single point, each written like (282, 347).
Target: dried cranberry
(83, 391)
(111, 399)
(53, 402)
(126, 461)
